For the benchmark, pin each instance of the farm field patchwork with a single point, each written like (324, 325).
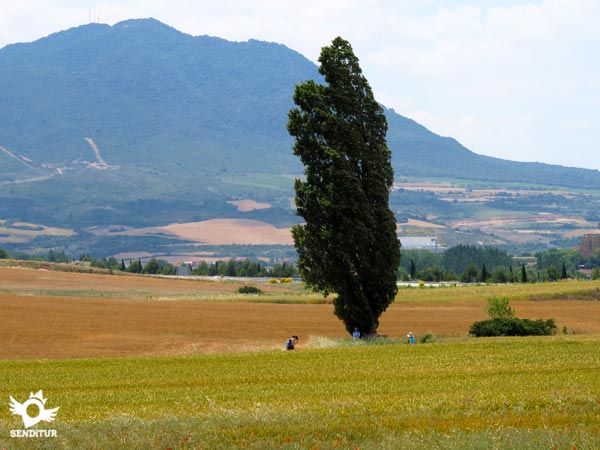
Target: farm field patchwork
(17, 232)
(149, 363)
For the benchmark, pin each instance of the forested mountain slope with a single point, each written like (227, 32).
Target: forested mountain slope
(138, 123)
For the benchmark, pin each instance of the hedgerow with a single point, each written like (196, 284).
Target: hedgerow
(513, 326)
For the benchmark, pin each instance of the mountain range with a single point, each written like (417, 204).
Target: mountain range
(138, 124)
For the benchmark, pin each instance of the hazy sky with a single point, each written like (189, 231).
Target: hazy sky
(516, 79)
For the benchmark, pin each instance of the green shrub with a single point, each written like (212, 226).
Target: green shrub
(504, 326)
(498, 308)
(249, 290)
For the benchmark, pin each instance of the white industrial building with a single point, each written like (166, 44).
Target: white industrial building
(421, 243)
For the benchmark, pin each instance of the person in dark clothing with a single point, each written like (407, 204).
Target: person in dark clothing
(291, 343)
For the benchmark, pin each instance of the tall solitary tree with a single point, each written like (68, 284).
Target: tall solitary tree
(348, 243)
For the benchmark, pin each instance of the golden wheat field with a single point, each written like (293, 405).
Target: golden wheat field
(54, 314)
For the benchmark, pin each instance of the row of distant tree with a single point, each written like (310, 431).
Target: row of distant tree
(153, 266)
(469, 263)
(466, 263)
(246, 268)
(230, 268)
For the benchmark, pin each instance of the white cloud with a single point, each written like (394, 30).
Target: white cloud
(498, 66)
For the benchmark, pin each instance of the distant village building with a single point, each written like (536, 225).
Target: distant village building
(591, 242)
(421, 243)
(184, 270)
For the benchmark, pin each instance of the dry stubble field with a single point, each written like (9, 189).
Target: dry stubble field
(51, 314)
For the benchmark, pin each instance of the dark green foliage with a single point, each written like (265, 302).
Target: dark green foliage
(436, 267)
(3, 254)
(245, 268)
(557, 258)
(151, 267)
(460, 257)
(503, 326)
(552, 273)
(283, 270)
(58, 256)
(504, 323)
(500, 275)
(419, 259)
(103, 263)
(413, 269)
(167, 268)
(158, 267)
(469, 275)
(484, 274)
(249, 290)
(134, 267)
(348, 244)
(434, 273)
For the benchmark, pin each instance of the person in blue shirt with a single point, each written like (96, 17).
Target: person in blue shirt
(356, 334)
(291, 343)
(411, 337)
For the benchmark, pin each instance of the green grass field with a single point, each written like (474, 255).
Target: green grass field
(508, 393)
(559, 290)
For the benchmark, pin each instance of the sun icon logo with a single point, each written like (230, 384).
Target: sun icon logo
(20, 409)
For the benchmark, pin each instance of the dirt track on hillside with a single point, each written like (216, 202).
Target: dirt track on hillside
(39, 322)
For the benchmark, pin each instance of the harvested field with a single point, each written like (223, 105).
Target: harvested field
(249, 205)
(221, 232)
(474, 193)
(418, 223)
(21, 232)
(519, 220)
(61, 327)
(71, 315)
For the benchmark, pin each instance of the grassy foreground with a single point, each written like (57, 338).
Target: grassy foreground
(508, 393)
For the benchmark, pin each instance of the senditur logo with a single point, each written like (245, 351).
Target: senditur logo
(20, 409)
